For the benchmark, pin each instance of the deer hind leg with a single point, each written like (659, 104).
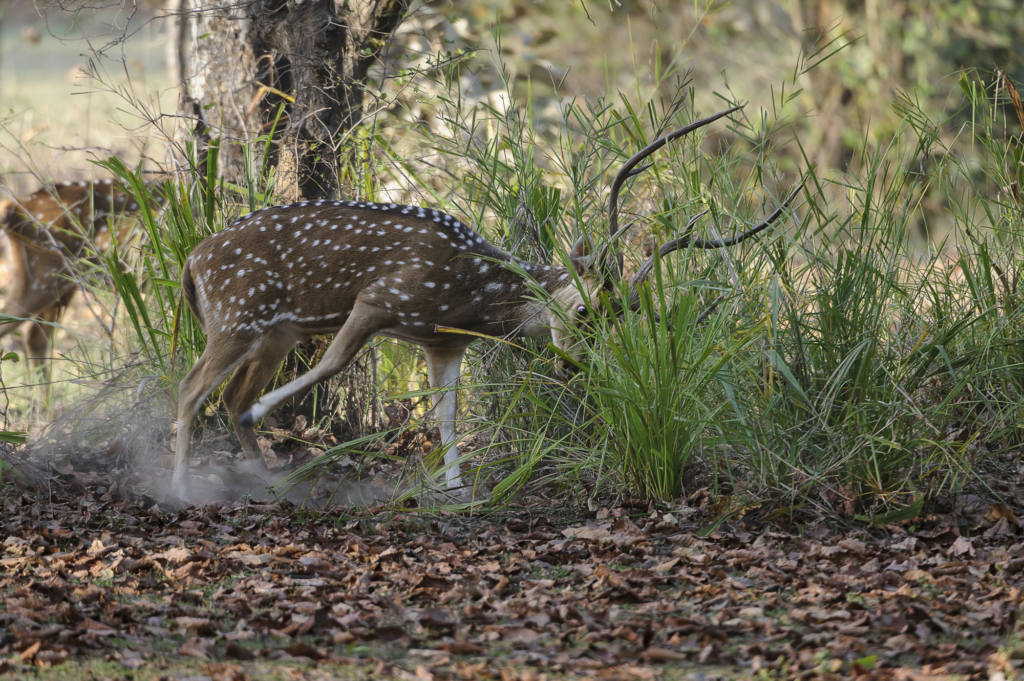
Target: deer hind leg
(33, 288)
(444, 365)
(38, 337)
(9, 327)
(34, 306)
(40, 334)
(363, 324)
(222, 355)
(248, 382)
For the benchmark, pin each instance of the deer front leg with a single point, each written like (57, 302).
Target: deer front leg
(444, 365)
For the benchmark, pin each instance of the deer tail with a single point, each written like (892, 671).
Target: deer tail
(188, 290)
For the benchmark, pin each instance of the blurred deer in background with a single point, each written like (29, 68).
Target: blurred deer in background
(47, 232)
(359, 270)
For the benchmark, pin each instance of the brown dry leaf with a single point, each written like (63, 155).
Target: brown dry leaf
(1014, 94)
(30, 652)
(199, 626)
(917, 576)
(961, 547)
(300, 649)
(195, 648)
(519, 635)
(462, 648)
(998, 512)
(275, 584)
(174, 556)
(133, 663)
(626, 526)
(1002, 527)
(798, 614)
(907, 544)
(656, 654)
(237, 652)
(48, 658)
(854, 545)
(247, 557)
(820, 615)
(97, 549)
(588, 531)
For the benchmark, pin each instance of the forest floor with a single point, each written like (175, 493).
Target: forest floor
(100, 587)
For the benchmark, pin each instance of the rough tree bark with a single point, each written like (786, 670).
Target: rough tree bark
(237, 62)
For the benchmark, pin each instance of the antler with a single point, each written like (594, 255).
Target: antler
(684, 241)
(629, 170)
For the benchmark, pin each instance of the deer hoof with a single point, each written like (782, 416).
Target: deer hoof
(180, 490)
(246, 420)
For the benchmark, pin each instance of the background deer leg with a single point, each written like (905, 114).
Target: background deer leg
(32, 290)
(222, 355)
(362, 325)
(36, 305)
(248, 382)
(10, 327)
(444, 366)
(40, 335)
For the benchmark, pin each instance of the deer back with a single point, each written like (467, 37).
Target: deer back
(66, 216)
(308, 265)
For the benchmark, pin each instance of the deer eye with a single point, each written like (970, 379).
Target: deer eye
(582, 310)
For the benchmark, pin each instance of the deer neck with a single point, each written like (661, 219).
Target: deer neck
(512, 308)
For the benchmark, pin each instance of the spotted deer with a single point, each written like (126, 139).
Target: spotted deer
(47, 232)
(359, 270)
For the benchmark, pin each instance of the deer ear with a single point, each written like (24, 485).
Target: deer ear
(580, 255)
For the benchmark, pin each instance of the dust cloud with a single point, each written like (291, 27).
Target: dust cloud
(118, 445)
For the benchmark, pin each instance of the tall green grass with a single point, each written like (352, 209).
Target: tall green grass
(855, 364)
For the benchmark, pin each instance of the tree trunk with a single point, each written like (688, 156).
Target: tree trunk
(1, 63)
(239, 62)
(819, 20)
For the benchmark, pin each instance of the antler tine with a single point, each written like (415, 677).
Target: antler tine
(637, 171)
(629, 169)
(684, 241)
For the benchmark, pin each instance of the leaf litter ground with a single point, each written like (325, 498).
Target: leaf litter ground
(100, 587)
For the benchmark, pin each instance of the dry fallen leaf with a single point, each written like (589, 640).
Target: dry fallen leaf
(520, 635)
(588, 531)
(200, 626)
(656, 654)
(961, 547)
(174, 556)
(998, 512)
(631, 597)
(855, 545)
(918, 575)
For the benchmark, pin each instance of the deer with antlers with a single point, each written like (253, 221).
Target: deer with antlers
(47, 232)
(359, 270)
